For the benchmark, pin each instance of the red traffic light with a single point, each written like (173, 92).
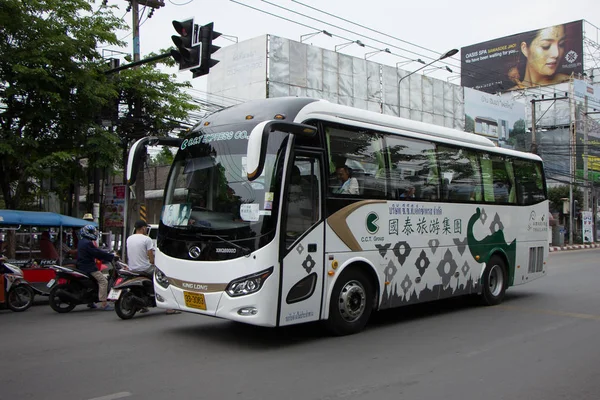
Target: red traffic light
(184, 28)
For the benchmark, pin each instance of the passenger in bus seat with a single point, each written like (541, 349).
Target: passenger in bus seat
(349, 185)
(409, 193)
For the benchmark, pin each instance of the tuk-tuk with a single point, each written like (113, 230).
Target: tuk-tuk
(34, 240)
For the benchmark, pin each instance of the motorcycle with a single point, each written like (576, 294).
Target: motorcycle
(15, 292)
(72, 287)
(133, 291)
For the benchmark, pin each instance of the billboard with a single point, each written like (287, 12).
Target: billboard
(540, 57)
(499, 118)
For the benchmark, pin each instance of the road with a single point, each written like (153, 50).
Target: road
(541, 343)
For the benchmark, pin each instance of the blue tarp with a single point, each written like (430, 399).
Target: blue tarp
(38, 218)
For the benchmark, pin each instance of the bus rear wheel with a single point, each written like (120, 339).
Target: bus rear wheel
(494, 281)
(351, 303)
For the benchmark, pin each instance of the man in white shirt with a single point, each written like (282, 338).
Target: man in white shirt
(349, 185)
(140, 253)
(140, 249)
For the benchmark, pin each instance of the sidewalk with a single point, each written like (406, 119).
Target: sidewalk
(574, 247)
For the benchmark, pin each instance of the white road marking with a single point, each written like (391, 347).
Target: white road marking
(113, 396)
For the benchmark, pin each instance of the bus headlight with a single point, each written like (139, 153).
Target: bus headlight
(161, 279)
(248, 284)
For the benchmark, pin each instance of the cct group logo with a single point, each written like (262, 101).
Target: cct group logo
(371, 223)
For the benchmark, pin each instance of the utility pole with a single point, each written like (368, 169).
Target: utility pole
(594, 197)
(132, 210)
(533, 123)
(586, 196)
(572, 153)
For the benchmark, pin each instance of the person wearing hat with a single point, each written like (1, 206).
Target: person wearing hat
(140, 253)
(88, 217)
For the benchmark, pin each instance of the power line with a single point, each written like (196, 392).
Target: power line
(497, 73)
(471, 68)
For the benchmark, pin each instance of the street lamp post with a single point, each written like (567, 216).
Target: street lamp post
(447, 54)
(409, 61)
(372, 53)
(309, 35)
(447, 68)
(341, 46)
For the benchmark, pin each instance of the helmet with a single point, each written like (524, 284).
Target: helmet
(89, 232)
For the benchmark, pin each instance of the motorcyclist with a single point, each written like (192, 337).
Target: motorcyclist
(87, 253)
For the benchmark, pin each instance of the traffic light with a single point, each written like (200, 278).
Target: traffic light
(207, 34)
(575, 208)
(188, 46)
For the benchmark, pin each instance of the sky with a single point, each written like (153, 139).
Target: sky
(435, 26)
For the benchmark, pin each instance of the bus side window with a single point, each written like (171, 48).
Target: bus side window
(462, 168)
(413, 169)
(359, 154)
(529, 181)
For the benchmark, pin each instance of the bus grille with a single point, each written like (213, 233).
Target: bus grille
(536, 259)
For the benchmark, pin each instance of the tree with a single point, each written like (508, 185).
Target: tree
(51, 85)
(164, 157)
(152, 102)
(54, 94)
(555, 194)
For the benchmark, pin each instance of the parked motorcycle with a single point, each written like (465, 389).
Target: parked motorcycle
(72, 287)
(15, 292)
(133, 291)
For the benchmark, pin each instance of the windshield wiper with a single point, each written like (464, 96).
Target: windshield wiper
(245, 250)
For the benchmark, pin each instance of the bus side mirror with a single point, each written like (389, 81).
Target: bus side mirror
(257, 144)
(138, 152)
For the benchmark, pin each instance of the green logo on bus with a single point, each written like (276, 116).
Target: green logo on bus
(372, 226)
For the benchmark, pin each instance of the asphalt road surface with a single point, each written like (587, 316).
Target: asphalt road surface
(543, 342)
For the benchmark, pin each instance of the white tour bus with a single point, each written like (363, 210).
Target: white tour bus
(289, 210)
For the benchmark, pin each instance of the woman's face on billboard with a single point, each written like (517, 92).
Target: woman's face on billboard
(546, 51)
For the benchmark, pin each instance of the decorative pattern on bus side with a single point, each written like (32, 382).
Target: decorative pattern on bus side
(442, 268)
(495, 241)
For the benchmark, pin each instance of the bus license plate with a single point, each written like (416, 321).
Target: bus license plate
(194, 300)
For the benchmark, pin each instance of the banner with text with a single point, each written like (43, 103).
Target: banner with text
(497, 117)
(541, 57)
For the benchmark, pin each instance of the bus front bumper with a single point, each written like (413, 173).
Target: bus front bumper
(258, 308)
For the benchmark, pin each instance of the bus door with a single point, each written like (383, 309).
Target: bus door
(302, 240)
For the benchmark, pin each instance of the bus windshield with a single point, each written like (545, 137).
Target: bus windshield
(208, 193)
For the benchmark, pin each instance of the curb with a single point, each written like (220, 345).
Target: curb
(574, 247)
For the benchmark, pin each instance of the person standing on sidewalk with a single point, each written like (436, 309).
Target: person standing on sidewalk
(140, 254)
(87, 253)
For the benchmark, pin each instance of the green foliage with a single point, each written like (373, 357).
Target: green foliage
(53, 92)
(50, 86)
(555, 194)
(163, 103)
(164, 157)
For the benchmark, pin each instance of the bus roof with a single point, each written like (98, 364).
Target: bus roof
(301, 109)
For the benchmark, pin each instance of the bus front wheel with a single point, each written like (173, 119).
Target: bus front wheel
(494, 281)
(351, 303)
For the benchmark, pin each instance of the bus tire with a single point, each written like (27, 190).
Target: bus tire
(351, 303)
(494, 281)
